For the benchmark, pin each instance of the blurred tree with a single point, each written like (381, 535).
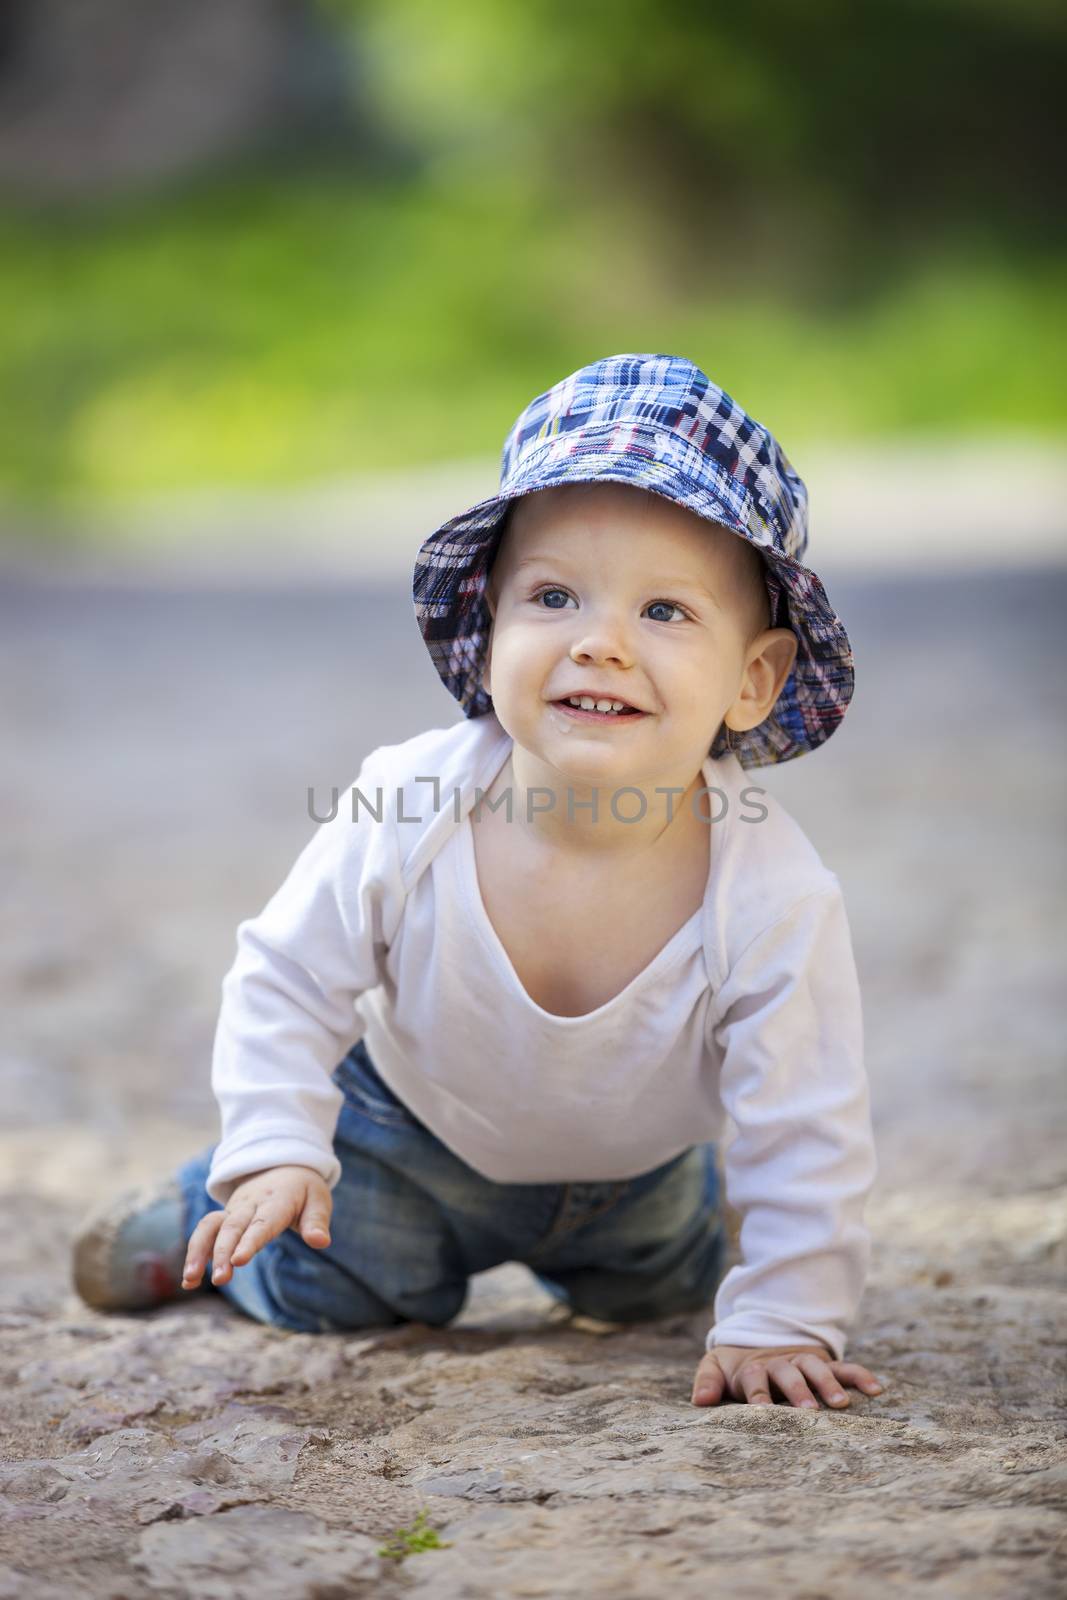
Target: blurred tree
(818, 147)
(836, 134)
(818, 202)
(99, 97)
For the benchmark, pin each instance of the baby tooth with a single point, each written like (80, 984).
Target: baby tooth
(587, 703)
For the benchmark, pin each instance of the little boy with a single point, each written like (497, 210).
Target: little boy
(507, 994)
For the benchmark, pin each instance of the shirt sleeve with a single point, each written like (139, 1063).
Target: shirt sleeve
(288, 1013)
(789, 1036)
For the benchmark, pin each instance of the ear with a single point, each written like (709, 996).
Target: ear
(768, 664)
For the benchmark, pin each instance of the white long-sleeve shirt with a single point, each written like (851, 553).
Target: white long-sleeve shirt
(751, 1011)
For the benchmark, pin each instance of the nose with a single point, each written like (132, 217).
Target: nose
(602, 641)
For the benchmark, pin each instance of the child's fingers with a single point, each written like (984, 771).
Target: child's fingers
(749, 1379)
(823, 1378)
(263, 1227)
(236, 1218)
(315, 1222)
(231, 1237)
(709, 1383)
(789, 1377)
(199, 1248)
(272, 1216)
(752, 1376)
(827, 1378)
(859, 1377)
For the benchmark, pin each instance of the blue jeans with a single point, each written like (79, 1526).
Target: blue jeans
(411, 1222)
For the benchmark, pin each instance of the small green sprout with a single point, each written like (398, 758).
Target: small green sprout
(408, 1541)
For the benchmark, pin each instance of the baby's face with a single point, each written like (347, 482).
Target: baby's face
(601, 590)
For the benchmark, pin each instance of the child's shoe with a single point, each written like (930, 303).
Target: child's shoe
(130, 1252)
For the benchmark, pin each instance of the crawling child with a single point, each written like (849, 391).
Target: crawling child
(510, 991)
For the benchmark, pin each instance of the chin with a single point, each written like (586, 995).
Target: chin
(586, 760)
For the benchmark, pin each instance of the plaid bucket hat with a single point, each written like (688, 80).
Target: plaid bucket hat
(656, 421)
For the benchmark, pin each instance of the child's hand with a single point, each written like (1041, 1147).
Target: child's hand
(743, 1373)
(262, 1205)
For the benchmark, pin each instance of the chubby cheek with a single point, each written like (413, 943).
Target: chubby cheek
(522, 663)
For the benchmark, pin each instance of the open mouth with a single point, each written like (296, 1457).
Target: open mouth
(598, 710)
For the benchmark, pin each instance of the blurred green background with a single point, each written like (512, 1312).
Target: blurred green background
(271, 242)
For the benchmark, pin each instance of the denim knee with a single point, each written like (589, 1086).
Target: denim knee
(660, 1254)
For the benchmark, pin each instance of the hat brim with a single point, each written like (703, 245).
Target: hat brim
(453, 563)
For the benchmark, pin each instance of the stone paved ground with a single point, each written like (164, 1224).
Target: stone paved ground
(158, 742)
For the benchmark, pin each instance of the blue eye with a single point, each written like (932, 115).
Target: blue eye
(543, 595)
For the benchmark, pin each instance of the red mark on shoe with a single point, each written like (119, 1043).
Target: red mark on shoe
(156, 1277)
